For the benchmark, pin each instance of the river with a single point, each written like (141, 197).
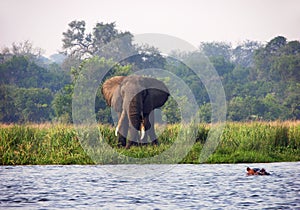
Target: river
(204, 186)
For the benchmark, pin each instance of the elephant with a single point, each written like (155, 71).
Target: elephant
(134, 98)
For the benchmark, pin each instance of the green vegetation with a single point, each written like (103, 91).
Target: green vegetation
(240, 142)
(40, 144)
(261, 81)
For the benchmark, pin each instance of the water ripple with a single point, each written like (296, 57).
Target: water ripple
(184, 186)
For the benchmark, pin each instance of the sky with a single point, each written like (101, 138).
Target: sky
(42, 22)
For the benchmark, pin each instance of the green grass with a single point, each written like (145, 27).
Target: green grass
(63, 144)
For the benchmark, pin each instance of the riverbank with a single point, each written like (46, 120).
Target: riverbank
(240, 143)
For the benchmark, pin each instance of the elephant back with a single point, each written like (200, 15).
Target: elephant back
(151, 83)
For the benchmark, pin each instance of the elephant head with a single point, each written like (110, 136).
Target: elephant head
(134, 98)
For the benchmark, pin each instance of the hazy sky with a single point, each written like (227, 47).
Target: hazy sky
(43, 21)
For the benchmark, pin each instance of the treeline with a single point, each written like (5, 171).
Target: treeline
(261, 81)
(27, 89)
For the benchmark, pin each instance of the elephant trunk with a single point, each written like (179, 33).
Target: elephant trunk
(136, 114)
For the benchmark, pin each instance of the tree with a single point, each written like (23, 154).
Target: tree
(8, 111)
(278, 60)
(221, 65)
(273, 107)
(172, 111)
(286, 68)
(25, 49)
(78, 43)
(273, 47)
(33, 104)
(292, 101)
(243, 53)
(145, 57)
(265, 57)
(205, 113)
(22, 72)
(75, 40)
(216, 49)
(291, 48)
(62, 104)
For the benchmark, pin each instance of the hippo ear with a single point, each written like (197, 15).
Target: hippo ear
(110, 87)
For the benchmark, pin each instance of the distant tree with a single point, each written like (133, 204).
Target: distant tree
(265, 56)
(286, 68)
(32, 104)
(145, 57)
(244, 52)
(58, 58)
(273, 107)
(62, 104)
(240, 74)
(108, 42)
(42, 99)
(245, 108)
(216, 49)
(278, 60)
(78, 43)
(5, 55)
(221, 65)
(23, 72)
(291, 48)
(205, 113)
(171, 111)
(273, 47)
(292, 101)
(8, 111)
(25, 49)
(75, 40)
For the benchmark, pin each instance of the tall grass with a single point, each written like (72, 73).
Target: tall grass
(259, 142)
(63, 144)
(35, 144)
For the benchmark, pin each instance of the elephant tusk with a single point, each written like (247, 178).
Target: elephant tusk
(117, 130)
(142, 131)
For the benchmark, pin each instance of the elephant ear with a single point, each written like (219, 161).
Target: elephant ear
(111, 86)
(157, 93)
(155, 98)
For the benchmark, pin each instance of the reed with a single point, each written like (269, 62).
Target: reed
(32, 144)
(63, 144)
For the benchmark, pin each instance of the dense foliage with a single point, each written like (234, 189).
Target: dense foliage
(261, 81)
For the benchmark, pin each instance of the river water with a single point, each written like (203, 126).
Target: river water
(163, 187)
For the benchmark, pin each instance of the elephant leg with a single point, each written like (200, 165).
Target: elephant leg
(132, 140)
(144, 141)
(122, 133)
(151, 130)
(122, 129)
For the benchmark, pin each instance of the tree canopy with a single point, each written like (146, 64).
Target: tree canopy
(261, 81)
